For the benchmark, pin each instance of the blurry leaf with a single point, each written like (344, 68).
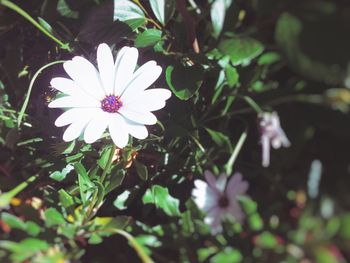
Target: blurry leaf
(328, 254)
(13, 221)
(160, 197)
(65, 198)
(220, 139)
(255, 222)
(248, 204)
(163, 9)
(231, 76)
(129, 13)
(187, 223)
(53, 217)
(148, 38)
(60, 176)
(86, 186)
(345, 226)
(269, 58)
(116, 178)
(32, 228)
(102, 162)
(204, 253)
(184, 81)
(119, 202)
(95, 239)
(64, 10)
(218, 13)
(266, 240)
(241, 49)
(141, 170)
(45, 25)
(227, 255)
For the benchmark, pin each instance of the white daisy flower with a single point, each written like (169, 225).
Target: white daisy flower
(115, 96)
(218, 198)
(271, 134)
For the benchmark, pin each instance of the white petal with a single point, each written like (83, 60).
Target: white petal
(265, 143)
(153, 99)
(66, 86)
(124, 68)
(221, 182)
(85, 75)
(199, 193)
(142, 80)
(74, 102)
(105, 64)
(118, 130)
(72, 115)
(96, 126)
(136, 130)
(138, 115)
(75, 129)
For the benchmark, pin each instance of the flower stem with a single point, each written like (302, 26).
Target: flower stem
(25, 15)
(233, 157)
(252, 104)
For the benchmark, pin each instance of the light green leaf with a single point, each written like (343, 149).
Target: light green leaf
(227, 255)
(269, 58)
(220, 139)
(231, 76)
(163, 9)
(148, 38)
(64, 10)
(218, 13)
(45, 25)
(86, 186)
(60, 176)
(129, 13)
(119, 202)
(65, 198)
(53, 217)
(241, 50)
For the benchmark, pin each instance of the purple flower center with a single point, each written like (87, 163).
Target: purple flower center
(111, 104)
(223, 202)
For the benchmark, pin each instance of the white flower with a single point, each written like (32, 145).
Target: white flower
(271, 134)
(218, 198)
(113, 97)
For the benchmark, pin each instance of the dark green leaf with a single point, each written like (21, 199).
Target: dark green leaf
(148, 38)
(141, 170)
(53, 217)
(220, 139)
(129, 13)
(269, 58)
(231, 76)
(163, 9)
(65, 10)
(86, 186)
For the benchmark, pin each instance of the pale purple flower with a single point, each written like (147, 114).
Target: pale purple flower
(271, 134)
(218, 198)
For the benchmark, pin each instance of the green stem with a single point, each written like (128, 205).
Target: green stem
(25, 15)
(139, 250)
(233, 157)
(109, 163)
(252, 104)
(31, 84)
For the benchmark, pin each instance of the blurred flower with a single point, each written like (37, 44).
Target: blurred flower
(271, 134)
(218, 198)
(115, 97)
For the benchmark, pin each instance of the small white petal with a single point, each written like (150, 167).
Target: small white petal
(265, 143)
(74, 102)
(199, 193)
(136, 130)
(124, 68)
(66, 86)
(105, 64)
(72, 115)
(138, 115)
(96, 126)
(118, 130)
(142, 81)
(153, 99)
(85, 75)
(75, 129)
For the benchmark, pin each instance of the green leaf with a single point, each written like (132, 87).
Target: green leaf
(269, 58)
(115, 180)
(184, 81)
(163, 9)
(266, 240)
(45, 25)
(95, 239)
(86, 186)
(102, 162)
(119, 202)
(148, 38)
(160, 197)
(64, 10)
(129, 13)
(227, 255)
(231, 76)
(13, 221)
(53, 217)
(141, 170)
(241, 50)
(220, 139)
(60, 176)
(32, 228)
(65, 198)
(218, 13)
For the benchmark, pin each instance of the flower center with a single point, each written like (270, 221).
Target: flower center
(111, 104)
(223, 202)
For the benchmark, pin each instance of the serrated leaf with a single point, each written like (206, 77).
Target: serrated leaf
(184, 81)
(129, 13)
(241, 50)
(218, 13)
(163, 9)
(160, 197)
(148, 38)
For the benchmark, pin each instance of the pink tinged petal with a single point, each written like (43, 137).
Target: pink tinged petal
(74, 102)
(124, 68)
(142, 81)
(85, 76)
(105, 64)
(66, 86)
(75, 129)
(284, 140)
(138, 115)
(72, 115)
(118, 130)
(210, 178)
(213, 219)
(151, 100)
(236, 186)
(235, 211)
(265, 143)
(221, 182)
(96, 126)
(136, 130)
